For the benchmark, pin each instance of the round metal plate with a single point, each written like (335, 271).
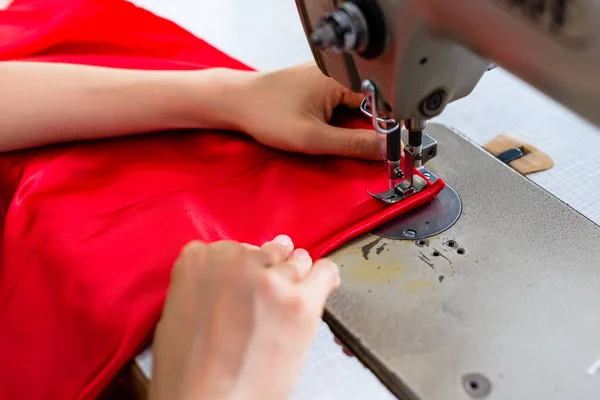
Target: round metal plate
(428, 220)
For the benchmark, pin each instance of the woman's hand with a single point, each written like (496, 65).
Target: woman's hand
(239, 320)
(290, 110)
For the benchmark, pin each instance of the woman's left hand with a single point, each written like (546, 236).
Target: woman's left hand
(290, 110)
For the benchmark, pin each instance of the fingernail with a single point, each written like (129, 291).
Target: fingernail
(300, 254)
(335, 269)
(283, 240)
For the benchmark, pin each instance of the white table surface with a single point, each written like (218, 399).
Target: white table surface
(267, 35)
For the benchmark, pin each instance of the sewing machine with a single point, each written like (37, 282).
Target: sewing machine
(412, 58)
(507, 302)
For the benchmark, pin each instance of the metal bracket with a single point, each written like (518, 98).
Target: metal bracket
(430, 146)
(511, 155)
(370, 108)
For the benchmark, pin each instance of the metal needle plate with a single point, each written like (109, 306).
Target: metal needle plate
(429, 220)
(503, 305)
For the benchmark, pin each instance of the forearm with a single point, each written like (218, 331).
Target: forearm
(42, 103)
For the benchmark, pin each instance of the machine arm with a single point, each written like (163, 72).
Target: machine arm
(552, 44)
(423, 54)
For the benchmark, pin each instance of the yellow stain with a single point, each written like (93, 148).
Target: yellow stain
(419, 286)
(372, 273)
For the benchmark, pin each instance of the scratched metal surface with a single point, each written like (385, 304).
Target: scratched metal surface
(520, 306)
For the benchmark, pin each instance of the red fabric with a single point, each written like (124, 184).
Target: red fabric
(91, 230)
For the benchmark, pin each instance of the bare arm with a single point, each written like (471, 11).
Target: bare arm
(290, 109)
(44, 103)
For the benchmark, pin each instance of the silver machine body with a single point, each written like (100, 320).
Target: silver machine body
(516, 314)
(423, 47)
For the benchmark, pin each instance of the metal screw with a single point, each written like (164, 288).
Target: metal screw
(426, 174)
(324, 36)
(411, 233)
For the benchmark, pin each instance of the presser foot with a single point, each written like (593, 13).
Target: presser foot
(428, 220)
(412, 183)
(400, 191)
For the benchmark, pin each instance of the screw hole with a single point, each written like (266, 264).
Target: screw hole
(477, 386)
(435, 254)
(430, 153)
(460, 251)
(450, 243)
(423, 61)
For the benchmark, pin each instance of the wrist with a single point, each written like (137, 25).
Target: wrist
(214, 98)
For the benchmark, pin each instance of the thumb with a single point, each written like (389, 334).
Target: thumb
(323, 278)
(351, 99)
(348, 142)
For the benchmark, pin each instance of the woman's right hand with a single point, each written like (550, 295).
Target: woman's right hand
(239, 320)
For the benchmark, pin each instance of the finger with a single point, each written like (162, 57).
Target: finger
(351, 99)
(277, 250)
(250, 246)
(297, 266)
(192, 248)
(355, 143)
(347, 351)
(323, 278)
(225, 246)
(190, 256)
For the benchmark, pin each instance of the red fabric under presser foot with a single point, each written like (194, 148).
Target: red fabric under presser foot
(91, 230)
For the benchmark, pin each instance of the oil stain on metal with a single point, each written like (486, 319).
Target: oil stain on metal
(379, 270)
(441, 278)
(418, 286)
(374, 275)
(439, 254)
(366, 249)
(380, 249)
(426, 260)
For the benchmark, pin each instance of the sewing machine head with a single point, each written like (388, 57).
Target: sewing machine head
(384, 49)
